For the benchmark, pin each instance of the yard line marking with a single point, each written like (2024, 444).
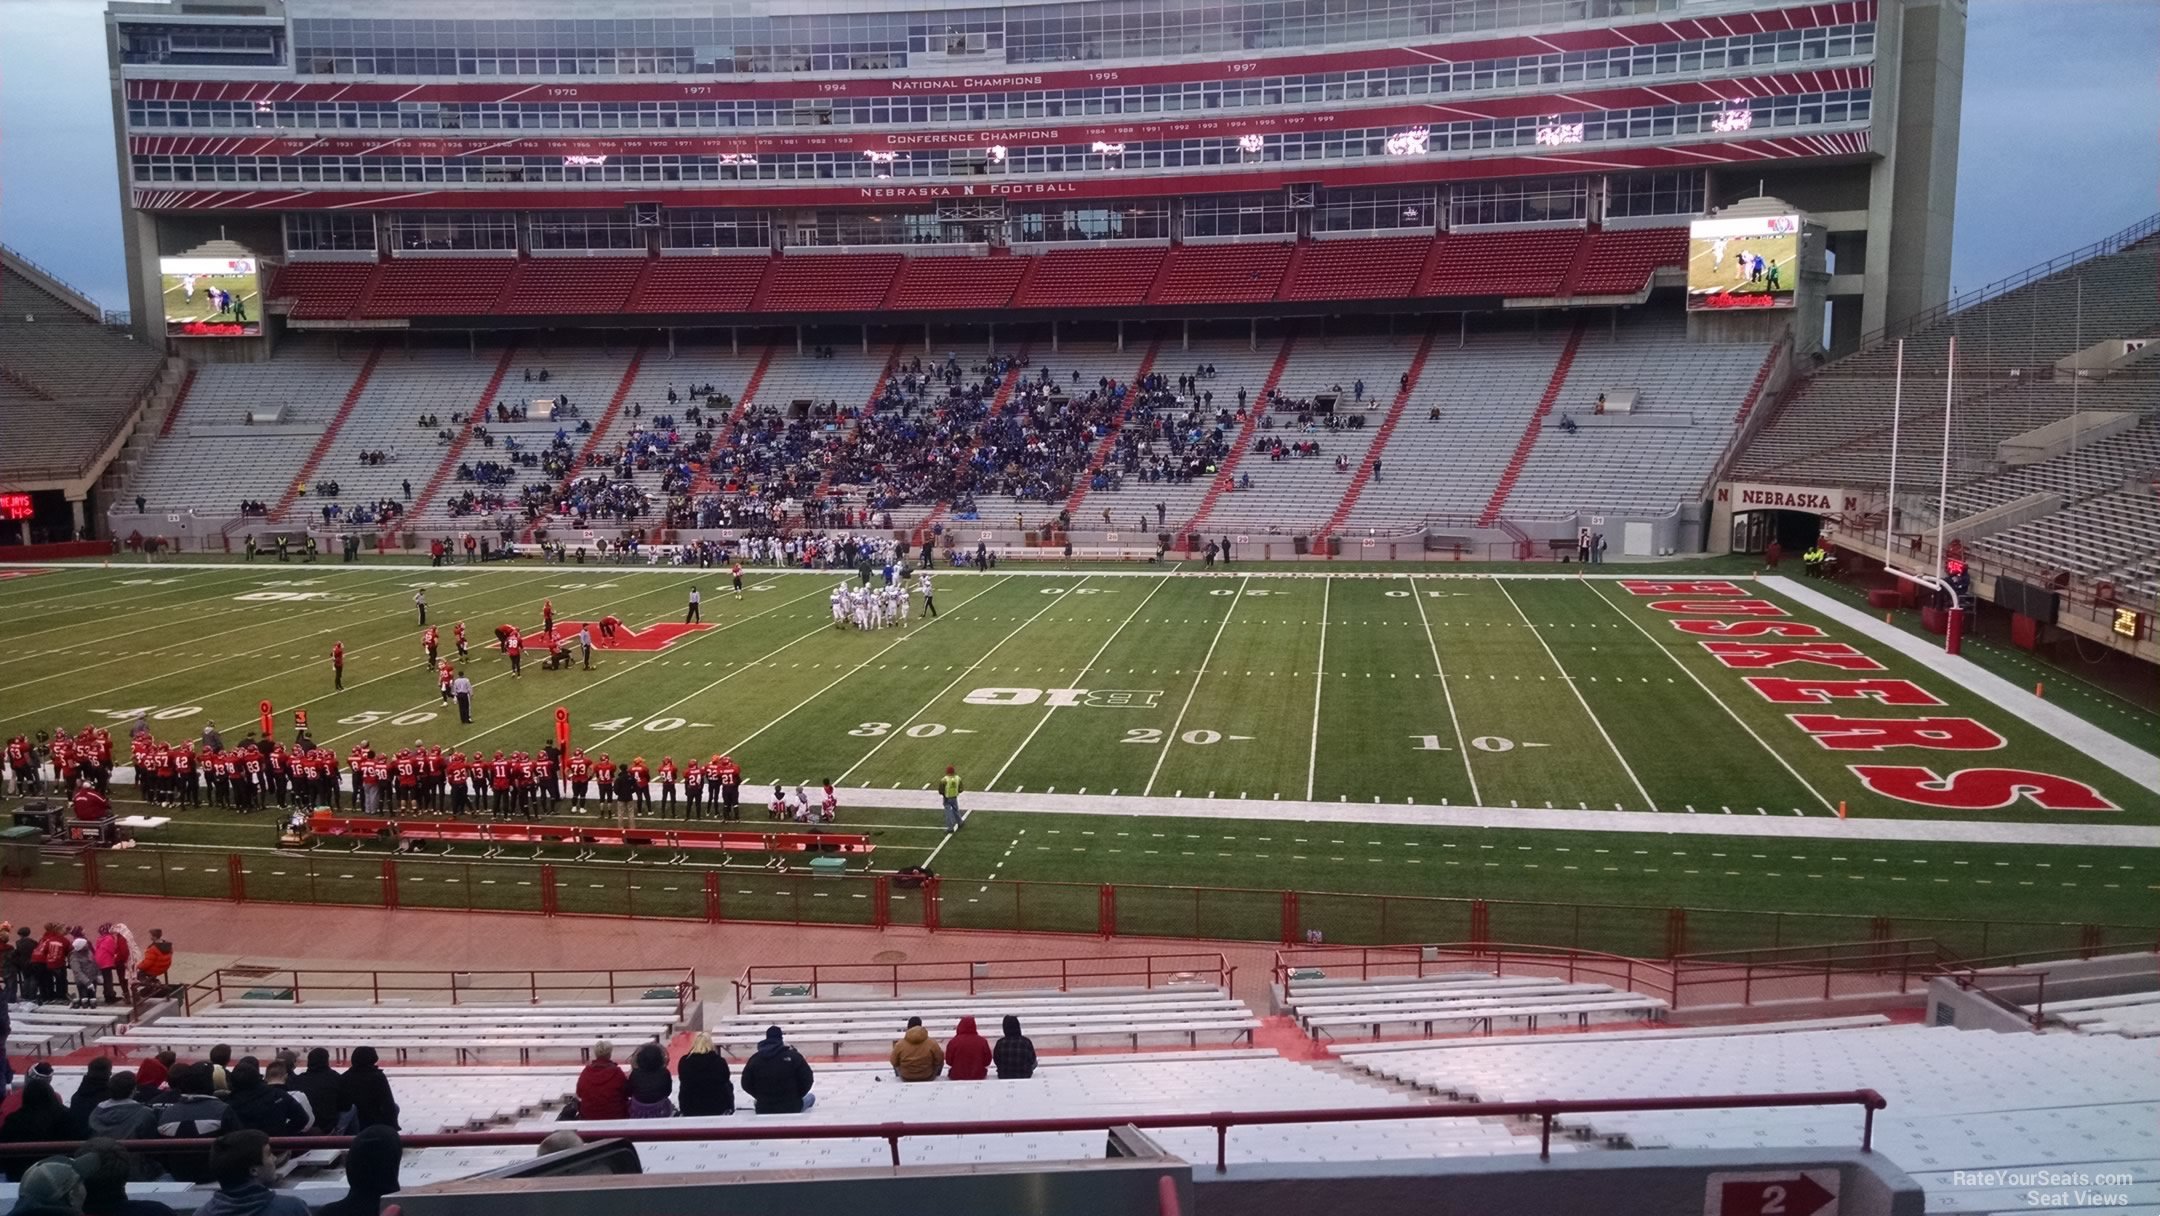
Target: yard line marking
(1312, 750)
(252, 682)
(1577, 690)
(1189, 693)
(1462, 745)
(1730, 712)
(1099, 652)
(823, 627)
(837, 680)
(165, 624)
(917, 715)
(101, 590)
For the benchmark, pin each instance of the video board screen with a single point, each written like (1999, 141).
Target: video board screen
(1743, 263)
(211, 297)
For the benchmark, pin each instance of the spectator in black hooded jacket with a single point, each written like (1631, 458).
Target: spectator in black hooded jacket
(95, 1088)
(319, 1082)
(371, 1172)
(366, 1090)
(1014, 1054)
(258, 1106)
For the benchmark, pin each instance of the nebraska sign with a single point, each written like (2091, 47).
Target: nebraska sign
(1755, 496)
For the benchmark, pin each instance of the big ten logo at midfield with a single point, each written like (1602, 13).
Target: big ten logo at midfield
(290, 597)
(1063, 698)
(1715, 609)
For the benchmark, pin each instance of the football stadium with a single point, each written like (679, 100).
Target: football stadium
(1465, 552)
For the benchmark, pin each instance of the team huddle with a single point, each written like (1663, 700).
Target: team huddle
(880, 606)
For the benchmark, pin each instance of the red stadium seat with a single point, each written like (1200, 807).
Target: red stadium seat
(323, 291)
(1090, 278)
(1382, 268)
(725, 283)
(1239, 273)
(1500, 263)
(1621, 261)
(961, 282)
(439, 287)
(566, 286)
(836, 282)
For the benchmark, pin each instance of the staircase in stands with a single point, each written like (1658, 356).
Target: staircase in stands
(1572, 277)
(703, 483)
(600, 429)
(997, 403)
(1367, 466)
(1225, 477)
(1101, 455)
(464, 436)
(1754, 392)
(1531, 430)
(892, 361)
(172, 412)
(329, 435)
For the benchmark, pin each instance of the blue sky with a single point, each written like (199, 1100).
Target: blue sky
(2061, 135)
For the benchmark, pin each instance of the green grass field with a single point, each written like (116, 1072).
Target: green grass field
(1439, 691)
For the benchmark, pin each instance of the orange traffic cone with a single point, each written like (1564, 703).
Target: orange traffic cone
(2039, 689)
(1841, 809)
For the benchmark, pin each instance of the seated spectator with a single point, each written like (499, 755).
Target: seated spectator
(707, 1089)
(777, 1078)
(49, 1188)
(651, 1085)
(106, 1169)
(318, 1083)
(277, 1077)
(42, 1115)
(602, 1090)
(243, 1167)
(967, 1053)
(367, 1091)
(195, 1112)
(1014, 1053)
(120, 1116)
(371, 1172)
(270, 1111)
(94, 1089)
(915, 1056)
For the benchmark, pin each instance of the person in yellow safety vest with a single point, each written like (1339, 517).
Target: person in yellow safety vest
(1813, 559)
(949, 789)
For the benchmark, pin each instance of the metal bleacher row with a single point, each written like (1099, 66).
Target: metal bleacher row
(1456, 1002)
(1964, 1104)
(454, 1033)
(1189, 1016)
(1546, 263)
(2131, 1015)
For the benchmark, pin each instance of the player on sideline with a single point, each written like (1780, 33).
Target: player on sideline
(337, 665)
(900, 603)
(735, 572)
(929, 596)
(690, 615)
(839, 606)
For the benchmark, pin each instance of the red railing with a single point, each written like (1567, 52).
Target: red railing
(1546, 1111)
(464, 987)
(1634, 974)
(996, 975)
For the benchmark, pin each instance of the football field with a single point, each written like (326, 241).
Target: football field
(1612, 739)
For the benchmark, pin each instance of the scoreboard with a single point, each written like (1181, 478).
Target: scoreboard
(15, 506)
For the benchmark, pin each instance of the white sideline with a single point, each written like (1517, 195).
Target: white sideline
(2139, 766)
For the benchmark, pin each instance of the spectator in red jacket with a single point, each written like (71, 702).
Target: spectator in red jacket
(603, 1092)
(967, 1056)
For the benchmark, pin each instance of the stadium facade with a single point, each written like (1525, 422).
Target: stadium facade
(322, 134)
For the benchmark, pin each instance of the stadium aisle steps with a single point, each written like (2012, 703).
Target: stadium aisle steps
(997, 404)
(600, 428)
(703, 483)
(1226, 477)
(1515, 463)
(464, 435)
(1578, 265)
(329, 435)
(877, 389)
(1754, 393)
(1375, 453)
(720, 283)
(179, 403)
(1103, 449)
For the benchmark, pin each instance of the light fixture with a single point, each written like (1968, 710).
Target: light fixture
(1413, 142)
(583, 162)
(1108, 149)
(1250, 143)
(997, 154)
(1735, 117)
(1552, 133)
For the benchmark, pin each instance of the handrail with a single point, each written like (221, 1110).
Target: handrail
(2114, 243)
(1065, 970)
(1970, 977)
(1496, 954)
(1545, 1110)
(455, 981)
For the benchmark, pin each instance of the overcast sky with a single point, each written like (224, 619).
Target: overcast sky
(2061, 139)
